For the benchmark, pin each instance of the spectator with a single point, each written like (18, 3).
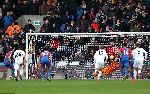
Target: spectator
(16, 11)
(10, 31)
(43, 9)
(29, 27)
(45, 27)
(17, 28)
(34, 8)
(8, 20)
(51, 2)
(24, 8)
(1, 23)
(96, 26)
(84, 6)
(92, 15)
(1, 53)
(1, 12)
(79, 12)
(62, 28)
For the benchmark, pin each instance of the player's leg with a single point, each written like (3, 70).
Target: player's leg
(122, 68)
(126, 67)
(95, 74)
(11, 66)
(16, 67)
(135, 66)
(131, 69)
(139, 68)
(49, 70)
(99, 73)
(101, 66)
(43, 71)
(132, 73)
(21, 71)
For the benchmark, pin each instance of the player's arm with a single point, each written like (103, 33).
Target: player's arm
(120, 52)
(40, 56)
(10, 57)
(133, 54)
(14, 55)
(130, 53)
(24, 54)
(95, 56)
(106, 56)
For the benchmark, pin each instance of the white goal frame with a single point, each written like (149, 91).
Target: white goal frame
(65, 34)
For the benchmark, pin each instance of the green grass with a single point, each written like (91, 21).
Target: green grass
(75, 87)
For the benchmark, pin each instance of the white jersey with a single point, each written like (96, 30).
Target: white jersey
(138, 53)
(100, 56)
(19, 55)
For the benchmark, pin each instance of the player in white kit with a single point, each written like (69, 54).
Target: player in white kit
(139, 55)
(19, 56)
(100, 58)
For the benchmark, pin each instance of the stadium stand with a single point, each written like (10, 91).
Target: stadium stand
(73, 16)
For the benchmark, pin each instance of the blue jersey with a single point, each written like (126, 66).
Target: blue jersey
(125, 53)
(45, 56)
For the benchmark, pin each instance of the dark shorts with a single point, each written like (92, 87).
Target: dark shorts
(124, 64)
(45, 63)
(11, 66)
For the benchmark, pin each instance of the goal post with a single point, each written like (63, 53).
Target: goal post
(93, 35)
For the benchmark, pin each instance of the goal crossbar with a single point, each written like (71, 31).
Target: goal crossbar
(107, 33)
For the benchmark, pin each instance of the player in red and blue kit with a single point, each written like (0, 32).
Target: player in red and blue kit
(9, 62)
(45, 62)
(125, 56)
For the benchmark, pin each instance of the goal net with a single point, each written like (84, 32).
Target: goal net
(72, 53)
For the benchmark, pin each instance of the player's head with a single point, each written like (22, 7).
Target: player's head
(132, 48)
(137, 44)
(19, 48)
(9, 50)
(45, 48)
(124, 44)
(101, 47)
(112, 43)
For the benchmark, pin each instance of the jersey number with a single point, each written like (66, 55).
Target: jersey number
(125, 52)
(18, 54)
(100, 52)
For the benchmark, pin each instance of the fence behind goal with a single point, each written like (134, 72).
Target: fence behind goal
(72, 53)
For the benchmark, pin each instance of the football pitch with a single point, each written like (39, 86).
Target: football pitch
(74, 87)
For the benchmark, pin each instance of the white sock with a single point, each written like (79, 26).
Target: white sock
(135, 73)
(139, 71)
(16, 73)
(96, 70)
(99, 74)
(16, 67)
(21, 71)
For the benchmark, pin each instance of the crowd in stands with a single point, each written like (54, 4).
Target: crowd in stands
(71, 16)
(98, 16)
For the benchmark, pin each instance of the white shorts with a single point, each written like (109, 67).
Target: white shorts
(138, 64)
(19, 61)
(18, 64)
(99, 65)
